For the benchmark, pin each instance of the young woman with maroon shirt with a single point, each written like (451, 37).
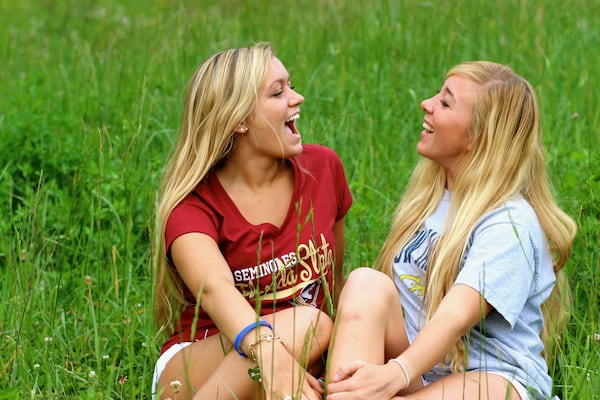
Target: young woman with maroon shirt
(251, 239)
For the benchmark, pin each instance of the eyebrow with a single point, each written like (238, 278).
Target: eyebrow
(449, 91)
(280, 81)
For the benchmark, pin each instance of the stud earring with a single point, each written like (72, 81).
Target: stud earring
(243, 129)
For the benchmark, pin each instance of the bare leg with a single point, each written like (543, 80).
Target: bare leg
(370, 327)
(210, 367)
(369, 323)
(474, 385)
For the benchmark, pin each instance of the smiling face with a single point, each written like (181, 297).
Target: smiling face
(445, 137)
(272, 124)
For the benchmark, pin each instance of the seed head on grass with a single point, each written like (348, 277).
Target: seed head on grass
(176, 386)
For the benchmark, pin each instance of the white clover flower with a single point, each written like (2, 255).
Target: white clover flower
(176, 386)
(48, 339)
(105, 357)
(92, 374)
(36, 366)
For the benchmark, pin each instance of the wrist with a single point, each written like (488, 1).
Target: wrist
(400, 364)
(263, 347)
(243, 339)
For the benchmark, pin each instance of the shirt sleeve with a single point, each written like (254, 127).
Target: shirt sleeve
(190, 216)
(501, 264)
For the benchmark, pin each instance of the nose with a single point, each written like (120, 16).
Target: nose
(296, 99)
(426, 105)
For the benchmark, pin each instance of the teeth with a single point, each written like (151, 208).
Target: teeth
(427, 127)
(293, 117)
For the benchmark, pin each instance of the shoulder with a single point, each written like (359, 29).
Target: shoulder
(515, 211)
(200, 211)
(514, 222)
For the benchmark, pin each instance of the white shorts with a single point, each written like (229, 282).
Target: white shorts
(162, 361)
(521, 390)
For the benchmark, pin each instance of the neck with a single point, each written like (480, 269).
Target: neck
(252, 171)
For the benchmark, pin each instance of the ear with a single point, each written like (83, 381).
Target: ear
(241, 128)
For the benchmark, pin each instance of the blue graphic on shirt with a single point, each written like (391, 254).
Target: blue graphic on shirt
(417, 249)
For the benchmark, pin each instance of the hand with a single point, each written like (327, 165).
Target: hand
(360, 380)
(283, 378)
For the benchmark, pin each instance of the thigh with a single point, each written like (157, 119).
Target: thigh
(190, 367)
(306, 332)
(469, 385)
(212, 365)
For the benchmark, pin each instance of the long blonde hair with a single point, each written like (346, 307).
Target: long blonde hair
(221, 94)
(506, 158)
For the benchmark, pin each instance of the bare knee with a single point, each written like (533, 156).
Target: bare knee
(367, 287)
(303, 328)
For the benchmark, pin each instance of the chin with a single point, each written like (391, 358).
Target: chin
(421, 151)
(296, 151)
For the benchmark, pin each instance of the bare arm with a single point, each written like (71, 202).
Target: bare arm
(461, 309)
(206, 273)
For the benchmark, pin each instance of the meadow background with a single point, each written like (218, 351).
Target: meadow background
(91, 94)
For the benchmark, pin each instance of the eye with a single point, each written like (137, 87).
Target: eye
(444, 103)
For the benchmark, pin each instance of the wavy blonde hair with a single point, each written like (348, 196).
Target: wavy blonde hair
(506, 158)
(221, 94)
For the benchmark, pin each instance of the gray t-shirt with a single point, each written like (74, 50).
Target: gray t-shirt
(507, 260)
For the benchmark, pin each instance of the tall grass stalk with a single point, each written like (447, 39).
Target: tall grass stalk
(91, 99)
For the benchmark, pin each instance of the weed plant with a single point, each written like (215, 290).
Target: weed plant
(92, 93)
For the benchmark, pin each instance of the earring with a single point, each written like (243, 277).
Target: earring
(243, 129)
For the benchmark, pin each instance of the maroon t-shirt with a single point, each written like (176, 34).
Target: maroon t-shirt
(283, 266)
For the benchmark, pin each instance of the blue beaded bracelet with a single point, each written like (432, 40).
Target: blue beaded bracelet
(243, 332)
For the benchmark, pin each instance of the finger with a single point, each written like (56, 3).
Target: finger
(311, 393)
(347, 370)
(314, 383)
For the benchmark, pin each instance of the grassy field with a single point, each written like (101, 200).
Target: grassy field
(91, 96)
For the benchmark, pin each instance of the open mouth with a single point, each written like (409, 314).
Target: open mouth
(291, 124)
(428, 128)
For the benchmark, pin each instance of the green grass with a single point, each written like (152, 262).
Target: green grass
(91, 99)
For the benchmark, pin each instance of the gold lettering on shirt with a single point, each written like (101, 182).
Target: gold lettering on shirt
(290, 272)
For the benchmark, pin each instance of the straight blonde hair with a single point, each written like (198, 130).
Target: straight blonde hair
(220, 95)
(506, 159)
